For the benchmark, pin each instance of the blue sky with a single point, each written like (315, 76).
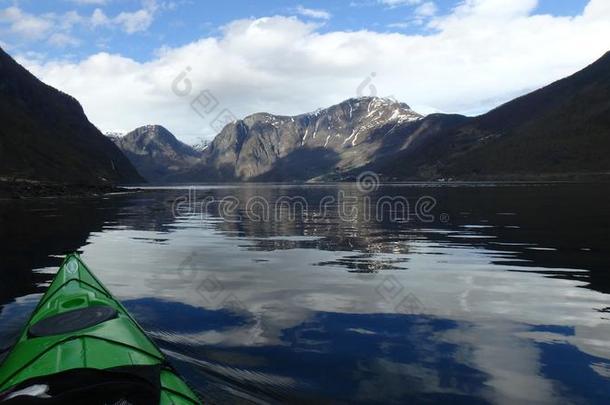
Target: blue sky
(119, 58)
(178, 22)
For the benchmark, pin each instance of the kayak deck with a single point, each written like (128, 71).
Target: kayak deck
(105, 336)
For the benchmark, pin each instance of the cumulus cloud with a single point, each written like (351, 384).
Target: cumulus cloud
(483, 53)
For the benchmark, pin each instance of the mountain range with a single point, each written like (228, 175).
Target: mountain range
(559, 131)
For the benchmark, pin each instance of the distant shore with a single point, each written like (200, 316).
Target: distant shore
(15, 189)
(21, 189)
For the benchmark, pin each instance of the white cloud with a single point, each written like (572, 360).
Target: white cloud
(398, 3)
(99, 18)
(313, 13)
(401, 24)
(427, 9)
(129, 21)
(135, 21)
(62, 40)
(90, 2)
(599, 8)
(26, 26)
(421, 14)
(57, 29)
(493, 10)
(70, 19)
(475, 58)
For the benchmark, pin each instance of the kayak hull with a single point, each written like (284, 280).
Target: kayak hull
(110, 339)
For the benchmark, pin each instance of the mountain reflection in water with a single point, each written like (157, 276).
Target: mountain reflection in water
(501, 299)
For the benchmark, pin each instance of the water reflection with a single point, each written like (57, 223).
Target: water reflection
(503, 301)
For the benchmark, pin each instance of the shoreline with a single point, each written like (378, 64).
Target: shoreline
(18, 189)
(25, 189)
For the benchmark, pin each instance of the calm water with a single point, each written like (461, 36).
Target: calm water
(496, 294)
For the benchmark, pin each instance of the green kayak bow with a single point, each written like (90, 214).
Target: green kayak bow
(82, 346)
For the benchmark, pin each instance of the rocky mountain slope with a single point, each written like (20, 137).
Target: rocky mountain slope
(156, 152)
(266, 147)
(559, 131)
(46, 136)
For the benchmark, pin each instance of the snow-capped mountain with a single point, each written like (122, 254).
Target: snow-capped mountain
(201, 145)
(336, 139)
(545, 133)
(114, 134)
